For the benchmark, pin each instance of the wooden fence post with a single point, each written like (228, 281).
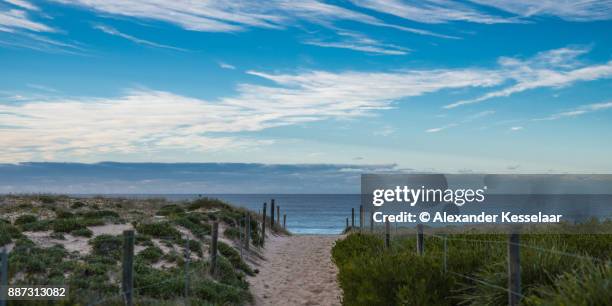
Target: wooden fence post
(420, 242)
(240, 242)
(361, 216)
(247, 243)
(514, 269)
(263, 225)
(187, 259)
(127, 282)
(213, 248)
(272, 214)
(445, 253)
(387, 235)
(347, 225)
(352, 218)
(278, 215)
(4, 281)
(285, 221)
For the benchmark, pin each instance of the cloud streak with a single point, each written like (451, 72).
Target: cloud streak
(584, 10)
(115, 32)
(15, 19)
(550, 69)
(359, 42)
(431, 11)
(436, 11)
(234, 16)
(579, 111)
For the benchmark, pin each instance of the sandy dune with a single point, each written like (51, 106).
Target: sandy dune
(296, 270)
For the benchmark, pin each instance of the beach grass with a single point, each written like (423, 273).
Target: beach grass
(556, 269)
(62, 240)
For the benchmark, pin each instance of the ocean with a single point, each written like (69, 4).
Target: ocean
(306, 213)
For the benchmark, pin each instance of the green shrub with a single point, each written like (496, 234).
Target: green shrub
(77, 205)
(194, 225)
(354, 245)
(83, 232)
(143, 240)
(232, 233)
(100, 215)
(24, 219)
(162, 230)
(171, 209)
(234, 258)
(195, 247)
(62, 214)
(107, 245)
(8, 232)
(28, 258)
(208, 203)
(369, 276)
(47, 199)
(151, 254)
(37, 226)
(67, 225)
(588, 285)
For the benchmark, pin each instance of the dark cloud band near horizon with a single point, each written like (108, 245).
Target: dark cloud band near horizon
(182, 178)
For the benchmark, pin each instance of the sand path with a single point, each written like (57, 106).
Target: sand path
(296, 270)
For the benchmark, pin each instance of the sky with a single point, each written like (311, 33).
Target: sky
(433, 85)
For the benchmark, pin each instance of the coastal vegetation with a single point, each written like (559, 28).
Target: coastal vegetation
(556, 268)
(78, 242)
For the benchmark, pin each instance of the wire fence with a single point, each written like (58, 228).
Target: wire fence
(384, 232)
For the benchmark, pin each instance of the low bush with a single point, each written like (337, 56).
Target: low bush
(234, 258)
(67, 225)
(37, 226)
(194, 225)
(232, 233)
(151, 254)
(24, 219)
(77, 205)
(8, 232)
(162, 230)
(107, 245)
(208, 203)
(171, 209)
(83, 232)
(588, 285)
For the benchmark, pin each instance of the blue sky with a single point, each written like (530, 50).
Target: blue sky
(493, 86)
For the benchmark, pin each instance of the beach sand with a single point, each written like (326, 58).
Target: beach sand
(296, 270)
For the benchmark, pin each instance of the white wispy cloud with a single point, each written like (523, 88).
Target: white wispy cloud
(442, 11)
(432, 11)
(35, 41)
(227, 66)
(233, 16)
(579, 111)
(23, 4)
(147, 120)
(359, 42)
(553, 69)
(440, 129)
(112, 31)
(583, 10)
(16, 19)
(516, 128)
(467, 119)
